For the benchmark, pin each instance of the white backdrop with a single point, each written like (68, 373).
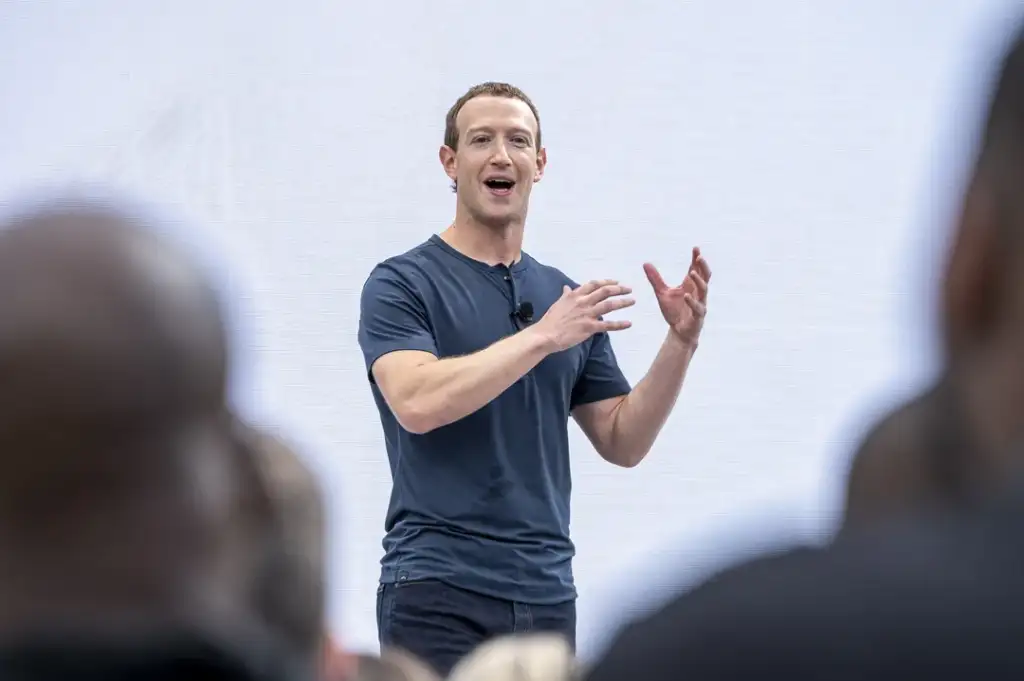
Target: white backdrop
(812, 149)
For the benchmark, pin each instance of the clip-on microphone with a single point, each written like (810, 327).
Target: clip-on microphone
(524, 312)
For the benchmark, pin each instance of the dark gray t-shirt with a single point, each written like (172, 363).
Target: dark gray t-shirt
(483, 503)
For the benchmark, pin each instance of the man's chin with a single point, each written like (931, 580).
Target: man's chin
(498, 219)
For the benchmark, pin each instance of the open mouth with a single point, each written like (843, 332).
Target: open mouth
(500, 186)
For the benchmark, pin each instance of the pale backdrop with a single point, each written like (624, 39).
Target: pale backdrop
(812, 149)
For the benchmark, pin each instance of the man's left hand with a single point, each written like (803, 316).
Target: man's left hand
(684, 306)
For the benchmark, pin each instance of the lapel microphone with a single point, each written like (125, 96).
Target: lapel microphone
(524, 312)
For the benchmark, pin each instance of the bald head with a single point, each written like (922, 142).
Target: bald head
(100, 318)
(120, 480)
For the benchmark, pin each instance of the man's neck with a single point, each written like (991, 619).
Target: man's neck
(492, 245)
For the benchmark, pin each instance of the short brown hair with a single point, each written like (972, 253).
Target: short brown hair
(489, 89)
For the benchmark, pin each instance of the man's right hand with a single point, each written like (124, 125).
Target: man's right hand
(426, 393)
(576, 316)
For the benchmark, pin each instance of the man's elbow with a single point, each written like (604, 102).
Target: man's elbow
(415, 411)
(417, 416)
(622, 457)
(631, 460)
(602, 425)
(415, 421)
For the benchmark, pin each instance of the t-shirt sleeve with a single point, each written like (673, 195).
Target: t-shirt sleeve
(392, 317)
(601, 378)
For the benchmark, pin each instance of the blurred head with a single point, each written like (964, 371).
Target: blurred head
(391, 665)
(290, 593)
(531, 657)
(123, 495)
(983, 291)
(492, 152)
(336, 663)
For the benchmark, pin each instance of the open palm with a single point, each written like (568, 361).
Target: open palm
(683, 306)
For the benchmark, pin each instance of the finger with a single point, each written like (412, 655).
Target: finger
(694, 255)
(654, 276)
(699, 308)
(699, 284)
(617, 325)
(593, 285)
(604, 293)
(613, 304)
(566, 290)
(703, 268)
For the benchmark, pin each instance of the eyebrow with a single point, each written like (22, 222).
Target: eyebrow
(489, 129)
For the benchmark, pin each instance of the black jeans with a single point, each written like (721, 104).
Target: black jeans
(440, 624)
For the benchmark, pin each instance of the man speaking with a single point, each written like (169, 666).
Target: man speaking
(477, 355)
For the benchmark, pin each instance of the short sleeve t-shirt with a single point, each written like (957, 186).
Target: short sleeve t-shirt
(482, 503)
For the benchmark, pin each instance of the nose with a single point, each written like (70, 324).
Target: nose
(500, 156)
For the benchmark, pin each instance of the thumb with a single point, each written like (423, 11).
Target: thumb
(654, 276)
(566, 290)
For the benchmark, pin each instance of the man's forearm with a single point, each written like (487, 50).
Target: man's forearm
(641, 415)
(447, 390)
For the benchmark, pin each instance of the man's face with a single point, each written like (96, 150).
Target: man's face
(497, 161)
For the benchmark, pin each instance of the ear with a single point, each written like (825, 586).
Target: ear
(542, 163)
(971, 289)
(448, 162)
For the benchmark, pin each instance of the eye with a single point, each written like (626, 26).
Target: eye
(479, 139)
(521, 141)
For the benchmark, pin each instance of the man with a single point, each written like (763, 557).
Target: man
(477, 355)
(903, 467)
(390, 665)
(521, 657)
(889, 474)
(290, 595)
(941, 595)
(132, 527)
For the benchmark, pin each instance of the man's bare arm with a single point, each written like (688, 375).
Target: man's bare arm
(426, 393)
(623, 429)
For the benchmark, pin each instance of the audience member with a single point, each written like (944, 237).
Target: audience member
(337, 664)
(891, 474)
(391, 665)
(526, 657)
(290, 594)
(130, 520)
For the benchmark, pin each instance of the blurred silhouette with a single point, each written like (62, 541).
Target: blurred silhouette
(290, 593)
(891, 474)
(391, 665)
(132, 524)
(527, 657)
